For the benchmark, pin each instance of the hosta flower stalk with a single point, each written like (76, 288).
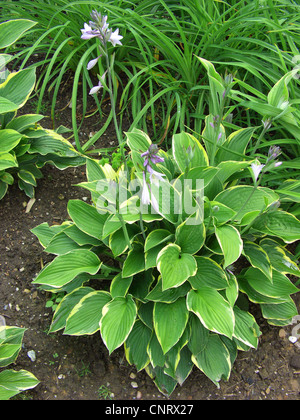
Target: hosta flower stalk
(98, 28)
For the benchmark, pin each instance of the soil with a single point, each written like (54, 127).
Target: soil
(80, 368)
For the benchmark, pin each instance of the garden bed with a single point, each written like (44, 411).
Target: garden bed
(80, 368)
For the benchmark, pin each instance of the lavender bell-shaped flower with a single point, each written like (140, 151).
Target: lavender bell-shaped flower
(151, 157)
(256, 169)
(98, 27)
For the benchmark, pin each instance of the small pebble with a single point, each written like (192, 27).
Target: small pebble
(295, 361)
(134, 385)
(282, 333)
(293, 339)
(32, 356)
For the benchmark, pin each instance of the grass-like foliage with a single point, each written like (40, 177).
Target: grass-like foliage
(161, 81)
(25, 146)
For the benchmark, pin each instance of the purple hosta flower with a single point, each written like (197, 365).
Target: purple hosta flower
(155, 174)
(256, 169)
(88, 32)
(145, 192)
(115, 38)
(98, 27)
(273, 152)
(93, 62)
(150, 156)
(267, 123)
(96, 88)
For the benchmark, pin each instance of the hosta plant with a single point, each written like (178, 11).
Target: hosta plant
(24, 145)
(13, 382)
(167, 257)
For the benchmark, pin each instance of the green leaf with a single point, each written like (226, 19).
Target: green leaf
(255, 296)
(7, 178)
(85, 316)
(95, 171)
(18, 86)
(209, 273)
(281, 311)
(212, 309)
(170, 320)
(9, 140)
(280, 287)
(199, 335)
(157, 237)
(136, 345)
(65, 307)
(13, 382)
(154, 350)
(86, 218)
(65, 268)
(235, 145)
(258, 258)
(151, 256)
(219, 212)
(117, 241)
(205, 173)
(175, 267)
(246, 329)
(281, 224)
(80, 237)
(279, 92)
(27, 177)
(10, 344)
(7, 161)
(184, 366)
(214, 360)
(245, 199)
(44, 233)
(230, 242)
(169, 295)
(120, 285)
(3, 189)
(232, 290)
(180, 143)
(53, 146)
(210, 135)
(165, 383)
(190, 238)
(7, 106)
(12, 30)
(117, 321)
(169, 200)
(216, 85)
(135, 261)
(27, 188)
(23, 122)
(279, 258)
(138, 141)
